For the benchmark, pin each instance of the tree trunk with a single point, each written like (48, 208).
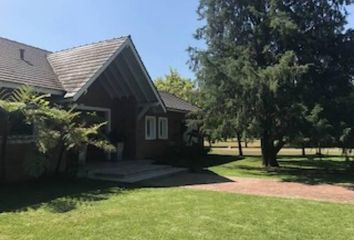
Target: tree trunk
(319, 150)
(345, 153)
(246, 143)
(269, 158)
(240, 152)
(269, 152)
(4, 139)
(303, 150)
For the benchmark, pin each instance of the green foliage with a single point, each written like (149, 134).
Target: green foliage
(175, 84)
(77, 136)
(267, 64)
(10, 107)
(320, 131)
(56, 127)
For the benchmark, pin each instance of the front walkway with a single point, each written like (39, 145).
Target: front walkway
(261, 187)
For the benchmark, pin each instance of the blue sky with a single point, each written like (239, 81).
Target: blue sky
(161, 29)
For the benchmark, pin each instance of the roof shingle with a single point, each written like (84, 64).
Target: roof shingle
(33, 70)
(76, 66)
(67, 70)
(173, 102)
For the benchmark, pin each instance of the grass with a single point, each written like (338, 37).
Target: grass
(93, 210)
(310, 170)
(100, 210)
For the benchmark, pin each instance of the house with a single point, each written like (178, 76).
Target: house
(107, 77)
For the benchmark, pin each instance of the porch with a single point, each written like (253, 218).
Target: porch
(128, 171)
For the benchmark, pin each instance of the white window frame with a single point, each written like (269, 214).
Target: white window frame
(152, 128)
(164, 135)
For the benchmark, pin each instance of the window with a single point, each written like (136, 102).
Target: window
(163, 128)
(150, 128)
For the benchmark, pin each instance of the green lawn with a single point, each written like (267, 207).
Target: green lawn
(98, 210)
(311, 170)
(92, 210)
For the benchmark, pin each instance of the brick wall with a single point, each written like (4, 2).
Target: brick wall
(17, 158)
(150, 149)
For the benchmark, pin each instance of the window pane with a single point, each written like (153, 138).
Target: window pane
(150, 128)
(148, 125)
(163, 128)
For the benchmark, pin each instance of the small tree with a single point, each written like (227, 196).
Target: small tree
(321, 127)
(56, 128)
(346, 139)
(75, 136)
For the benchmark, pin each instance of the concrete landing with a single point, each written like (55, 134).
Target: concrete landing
(129, 171)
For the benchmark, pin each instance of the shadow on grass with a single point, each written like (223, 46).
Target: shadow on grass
(57, 196)
(308, 170)
(207, 161)
(212, 160)
(186, 179)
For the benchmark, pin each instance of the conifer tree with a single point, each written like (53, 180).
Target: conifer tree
(273, 62)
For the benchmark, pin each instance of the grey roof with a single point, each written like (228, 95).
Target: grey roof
(66, 71)
(173, 102)
(76, 66)
(34, 70)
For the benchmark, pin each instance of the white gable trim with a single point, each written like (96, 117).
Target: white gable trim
(129, 43)
(151, 83)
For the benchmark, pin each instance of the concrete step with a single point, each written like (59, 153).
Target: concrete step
(138, 176)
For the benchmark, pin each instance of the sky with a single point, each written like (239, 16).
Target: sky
(162, 30)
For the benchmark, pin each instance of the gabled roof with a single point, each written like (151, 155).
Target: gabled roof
(33, 70)
(78, 66)
(71, 72)
(174, 103)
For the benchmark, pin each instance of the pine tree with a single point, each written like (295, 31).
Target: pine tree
(273, 61)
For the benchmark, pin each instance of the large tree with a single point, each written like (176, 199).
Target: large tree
(274, 61)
